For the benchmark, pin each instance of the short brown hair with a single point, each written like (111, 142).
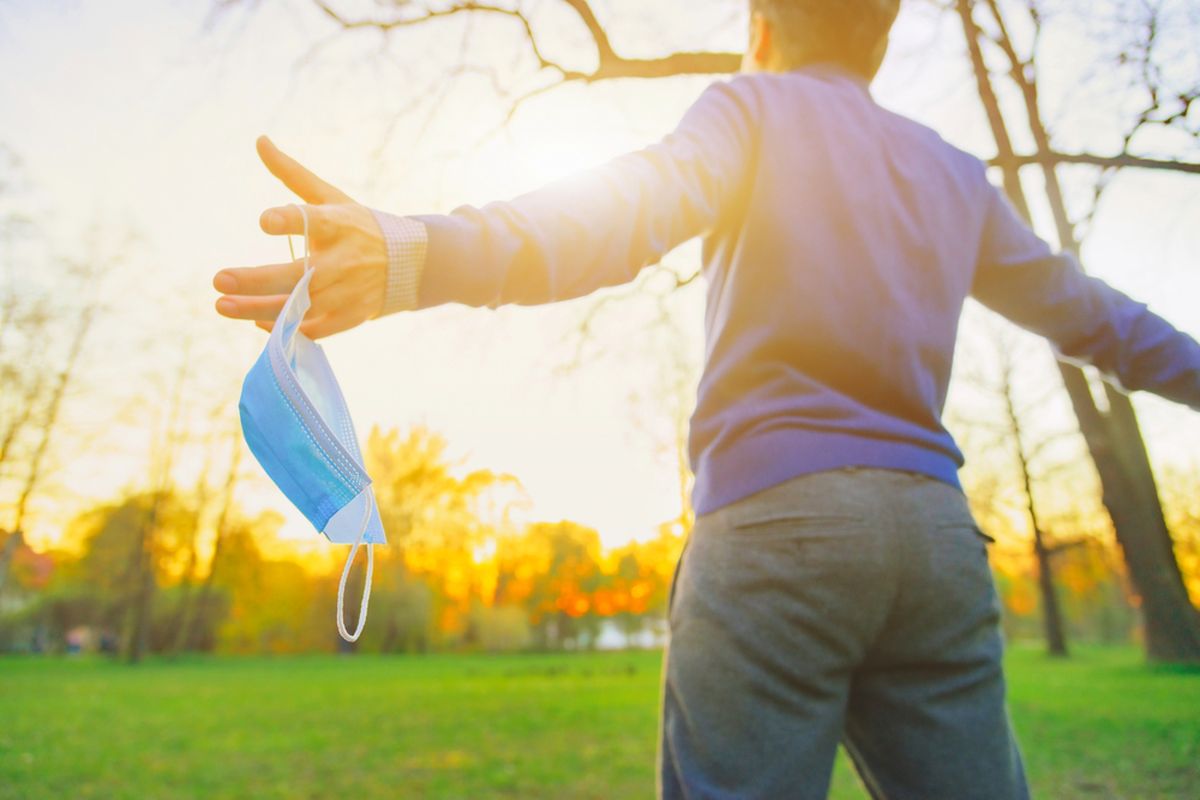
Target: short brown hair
(846, 32)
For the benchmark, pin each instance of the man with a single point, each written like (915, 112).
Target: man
(835, 587)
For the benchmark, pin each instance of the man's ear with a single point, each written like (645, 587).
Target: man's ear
(758, 52)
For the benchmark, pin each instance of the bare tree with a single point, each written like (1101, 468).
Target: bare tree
(536, 31)
(1129, 493)
(23, 320)
(200, 605)
(34, 408)
(140, 577)
(1035, 450)
(49, 304)
(200, 503)
(24, 379)
(53, 406)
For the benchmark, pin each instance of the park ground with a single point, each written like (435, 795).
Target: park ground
(1102, 725)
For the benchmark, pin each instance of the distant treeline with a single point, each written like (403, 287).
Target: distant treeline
(173, 571)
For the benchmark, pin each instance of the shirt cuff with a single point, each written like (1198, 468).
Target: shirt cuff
(407, 243)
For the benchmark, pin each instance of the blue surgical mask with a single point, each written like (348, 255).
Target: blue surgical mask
(297, 425)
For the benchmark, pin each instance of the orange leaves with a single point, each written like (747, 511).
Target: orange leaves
(573, 605)
(550, 571)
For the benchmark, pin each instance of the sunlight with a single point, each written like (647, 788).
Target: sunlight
(553, 149)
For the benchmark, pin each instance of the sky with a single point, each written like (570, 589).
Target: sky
(141, 116)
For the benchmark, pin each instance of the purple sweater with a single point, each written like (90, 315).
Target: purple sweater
(840, 242)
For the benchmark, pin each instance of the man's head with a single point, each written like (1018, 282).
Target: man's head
(789, 34)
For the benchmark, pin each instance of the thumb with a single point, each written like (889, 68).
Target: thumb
(296, 177)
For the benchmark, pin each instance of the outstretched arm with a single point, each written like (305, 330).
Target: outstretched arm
(559, 242)
(1087, 321)
(599, 228)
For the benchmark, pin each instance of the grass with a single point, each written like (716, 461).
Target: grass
(561, 726)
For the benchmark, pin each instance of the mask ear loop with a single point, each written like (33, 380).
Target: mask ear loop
(366, 595)
(291, 249)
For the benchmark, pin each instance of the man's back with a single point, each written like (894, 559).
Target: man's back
(836, 281)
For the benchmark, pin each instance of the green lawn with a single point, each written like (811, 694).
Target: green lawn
(1101, 726)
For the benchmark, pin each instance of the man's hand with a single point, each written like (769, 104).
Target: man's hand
(347, 253)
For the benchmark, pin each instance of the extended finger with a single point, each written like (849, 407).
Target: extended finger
(296, 176)
(289, 221)
(267, 279)
(257, 308)
(324, 222)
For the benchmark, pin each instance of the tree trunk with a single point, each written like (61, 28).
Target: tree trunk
(1052, 621)
(1172, 624)
(200, 605)
(184, 609)
(53, 408)
(138, 635)
(12, 543)
(133, 639)
(138, 613)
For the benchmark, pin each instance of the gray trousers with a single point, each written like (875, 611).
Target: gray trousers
(853, 606)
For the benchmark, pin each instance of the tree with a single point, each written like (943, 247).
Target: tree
(436, 522)
(1172, 624)
(1129, 492)
(24, 321)
(1036, 453)
(194, 605)
(51, 408)
(106, 535)
(43, 338)
(135, 628)
(589, 56)
(564, 570)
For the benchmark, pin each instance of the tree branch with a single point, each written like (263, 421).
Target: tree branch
(603, 47)
(1107, 162)
(610, 66)
(687, 63)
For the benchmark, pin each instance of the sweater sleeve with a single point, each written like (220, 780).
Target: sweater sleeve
(1087, 321)
(597, 229)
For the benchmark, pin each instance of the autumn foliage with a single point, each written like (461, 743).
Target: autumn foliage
(462, 571)
(459, 572)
